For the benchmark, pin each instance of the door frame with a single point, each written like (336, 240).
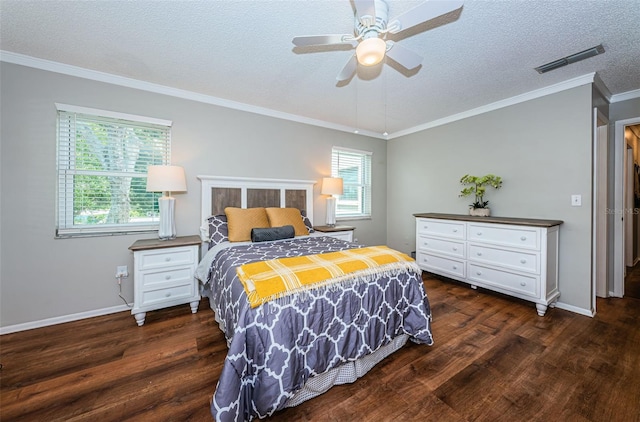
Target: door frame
(619, 211)
(600, 247)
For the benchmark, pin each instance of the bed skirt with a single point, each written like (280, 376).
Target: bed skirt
(344, 374)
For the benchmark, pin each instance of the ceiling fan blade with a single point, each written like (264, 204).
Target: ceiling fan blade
(422, 13)
(348, 70)
(403, 56)
(309, 40)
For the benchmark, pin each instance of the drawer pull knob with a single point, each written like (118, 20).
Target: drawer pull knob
(167, 259)
(167, 294)
(479, 233)
(167, 277)
(455, 230)
(523, 261)
(455, 267)
(522, 283)
(455, 249)
(479, 253)
(523, 238)
(478, 272)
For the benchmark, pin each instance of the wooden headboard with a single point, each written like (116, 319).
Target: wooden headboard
(219, 192)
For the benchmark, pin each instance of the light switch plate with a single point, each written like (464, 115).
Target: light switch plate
(576, 200)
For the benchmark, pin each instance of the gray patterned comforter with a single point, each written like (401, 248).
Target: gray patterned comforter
(275, 348)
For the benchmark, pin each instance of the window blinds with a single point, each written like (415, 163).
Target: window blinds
(354, 167)
(102, 168)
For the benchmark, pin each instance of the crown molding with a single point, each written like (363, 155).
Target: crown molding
(624, 96)
(94, 75)
(42, 64)
(527, 96)
(601, 87)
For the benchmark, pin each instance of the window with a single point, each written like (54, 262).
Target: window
(355, 169)
(102, 171)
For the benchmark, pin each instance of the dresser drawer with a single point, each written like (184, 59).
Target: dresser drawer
(446, 247)
(521, 261)
(441, 228)
(150, 297)
(162, 258)
(440, 265)
(517, 283)
(173, 276)
(528, 238)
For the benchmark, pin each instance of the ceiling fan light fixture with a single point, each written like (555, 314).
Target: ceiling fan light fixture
(371, 51)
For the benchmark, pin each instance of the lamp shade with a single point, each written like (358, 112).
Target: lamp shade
(166, 179)
(371, 51)
(331, 186)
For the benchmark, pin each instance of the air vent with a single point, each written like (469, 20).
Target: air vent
(593, 51)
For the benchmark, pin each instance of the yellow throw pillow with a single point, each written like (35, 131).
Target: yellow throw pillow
(241, 220)
(287, 217)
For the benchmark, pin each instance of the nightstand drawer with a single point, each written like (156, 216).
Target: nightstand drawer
(162, 258)
(178, 275)
(347, 236)
(165, 295)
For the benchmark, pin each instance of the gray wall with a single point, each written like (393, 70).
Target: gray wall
(542, 150)
(624, 110)
(42, 277)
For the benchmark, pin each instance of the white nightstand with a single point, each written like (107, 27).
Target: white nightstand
(339, 232)
(164, 274)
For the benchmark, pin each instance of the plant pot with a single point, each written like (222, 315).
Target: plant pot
(480, 212)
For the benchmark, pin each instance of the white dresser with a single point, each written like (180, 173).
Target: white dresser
(514, 256)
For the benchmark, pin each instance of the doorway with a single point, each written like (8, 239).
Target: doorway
(627, 134)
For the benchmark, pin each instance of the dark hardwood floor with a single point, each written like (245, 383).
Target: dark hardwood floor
(632, 282)
(494, 359)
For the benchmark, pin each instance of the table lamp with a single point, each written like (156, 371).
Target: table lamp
(166, 179)
(331, 186)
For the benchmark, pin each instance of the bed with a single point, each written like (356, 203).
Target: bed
(289, 347)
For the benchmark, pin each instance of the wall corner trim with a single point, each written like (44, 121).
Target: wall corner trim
(575, 309)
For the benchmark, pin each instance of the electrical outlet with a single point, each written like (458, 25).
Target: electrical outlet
(122, 271)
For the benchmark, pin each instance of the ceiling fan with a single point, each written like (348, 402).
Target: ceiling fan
(370, 32)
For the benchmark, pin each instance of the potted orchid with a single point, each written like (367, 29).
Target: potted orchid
(477, 186)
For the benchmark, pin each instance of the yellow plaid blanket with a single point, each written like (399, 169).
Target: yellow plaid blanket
(268, 280)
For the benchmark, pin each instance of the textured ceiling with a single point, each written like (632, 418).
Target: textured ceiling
(241, 51)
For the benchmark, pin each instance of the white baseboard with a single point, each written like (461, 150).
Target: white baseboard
(571, 308)
(120, 308)
(61, 319)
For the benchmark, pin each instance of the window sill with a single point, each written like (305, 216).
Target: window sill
(81, 234)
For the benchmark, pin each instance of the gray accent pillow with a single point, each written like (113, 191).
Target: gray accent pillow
(272, 233)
